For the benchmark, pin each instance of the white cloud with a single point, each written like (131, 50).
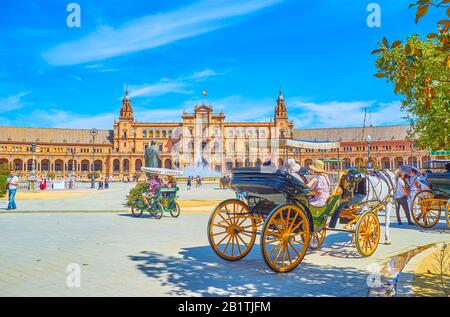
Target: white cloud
(343, 114)
(14, 102)
(153, 31)
(164, 86)
(56, 118)
(203, 75)
(160, 88)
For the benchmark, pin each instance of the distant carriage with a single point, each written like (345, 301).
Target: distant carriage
(428, 205)
(275, 205)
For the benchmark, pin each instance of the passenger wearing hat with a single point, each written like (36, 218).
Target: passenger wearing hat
(293, 169)
(319, 184)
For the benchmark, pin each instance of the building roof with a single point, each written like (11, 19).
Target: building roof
(53, 135)
(378, 133)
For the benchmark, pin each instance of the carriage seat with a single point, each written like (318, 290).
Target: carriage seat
(330, 206)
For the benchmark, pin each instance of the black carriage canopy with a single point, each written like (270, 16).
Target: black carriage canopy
(266, 180)
(270, 180)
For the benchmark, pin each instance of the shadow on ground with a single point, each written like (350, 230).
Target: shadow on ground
(198, 271)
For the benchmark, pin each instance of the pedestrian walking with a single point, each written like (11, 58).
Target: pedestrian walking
(12, 182)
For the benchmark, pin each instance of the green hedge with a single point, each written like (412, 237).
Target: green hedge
(4, 171)
(136, 193)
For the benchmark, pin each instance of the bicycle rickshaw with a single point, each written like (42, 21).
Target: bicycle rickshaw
(163, 201)
(275, 205)
(428, 205)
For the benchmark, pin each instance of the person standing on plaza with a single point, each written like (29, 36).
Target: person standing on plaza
(12, 182)
(414, 186)
(189, 183)
(401, 199)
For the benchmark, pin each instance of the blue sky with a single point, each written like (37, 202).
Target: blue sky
(168, 51)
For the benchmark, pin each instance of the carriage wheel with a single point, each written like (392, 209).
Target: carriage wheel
(367, 234)
(176, 211)
(232, 230)
(317, 239)
(447, 213)
(426, 211)
(285, 238)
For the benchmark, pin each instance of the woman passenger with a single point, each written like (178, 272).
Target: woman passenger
(320, 185)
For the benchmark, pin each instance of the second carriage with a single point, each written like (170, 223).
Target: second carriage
(429, 204)
(276, 206)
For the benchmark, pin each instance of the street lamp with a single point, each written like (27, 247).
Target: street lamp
(33, 163)
(73, 151)
(94, 133)
(411, 145)
(369, 141)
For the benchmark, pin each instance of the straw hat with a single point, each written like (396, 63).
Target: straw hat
(293, 165)
(318, 166)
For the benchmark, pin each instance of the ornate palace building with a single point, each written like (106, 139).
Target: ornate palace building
(202, 138)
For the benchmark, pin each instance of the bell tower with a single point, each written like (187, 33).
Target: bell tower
(282, 124)
(124, 131)
(126, 111)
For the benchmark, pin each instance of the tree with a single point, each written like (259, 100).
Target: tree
(419, 69)
(4, 171)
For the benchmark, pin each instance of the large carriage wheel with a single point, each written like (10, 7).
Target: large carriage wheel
(317, 238)
(367, 233)
(425, 211)
(232, 230)
(285, 238)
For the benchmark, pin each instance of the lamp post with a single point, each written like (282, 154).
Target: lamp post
(411, 145)
(73, 151)
(33, 163)
(369, 141)
(94, 133)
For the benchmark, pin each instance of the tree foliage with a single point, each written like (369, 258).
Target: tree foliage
(4, 171)
(419, 69)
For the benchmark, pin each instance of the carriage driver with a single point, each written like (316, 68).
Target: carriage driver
(155, 183)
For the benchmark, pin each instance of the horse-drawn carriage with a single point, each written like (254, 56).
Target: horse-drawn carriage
(164, 199)
(429, 204)
(275, 205)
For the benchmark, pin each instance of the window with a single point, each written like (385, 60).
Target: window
(144, 134)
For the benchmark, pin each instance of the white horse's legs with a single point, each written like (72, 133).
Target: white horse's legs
(387, 236)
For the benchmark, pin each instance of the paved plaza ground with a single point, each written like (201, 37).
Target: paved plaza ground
(120, 255)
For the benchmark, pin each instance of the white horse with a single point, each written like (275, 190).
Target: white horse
(381, 187)
(376, 191)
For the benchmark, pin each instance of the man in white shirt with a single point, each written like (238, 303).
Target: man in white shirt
(12, 181)
(401, 198)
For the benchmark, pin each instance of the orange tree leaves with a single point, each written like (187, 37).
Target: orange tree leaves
(420, 71)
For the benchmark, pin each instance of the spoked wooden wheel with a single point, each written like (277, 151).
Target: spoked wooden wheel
(367, 233)
(285, 238)
(317, 239)
(232, 230)
(426, 210)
